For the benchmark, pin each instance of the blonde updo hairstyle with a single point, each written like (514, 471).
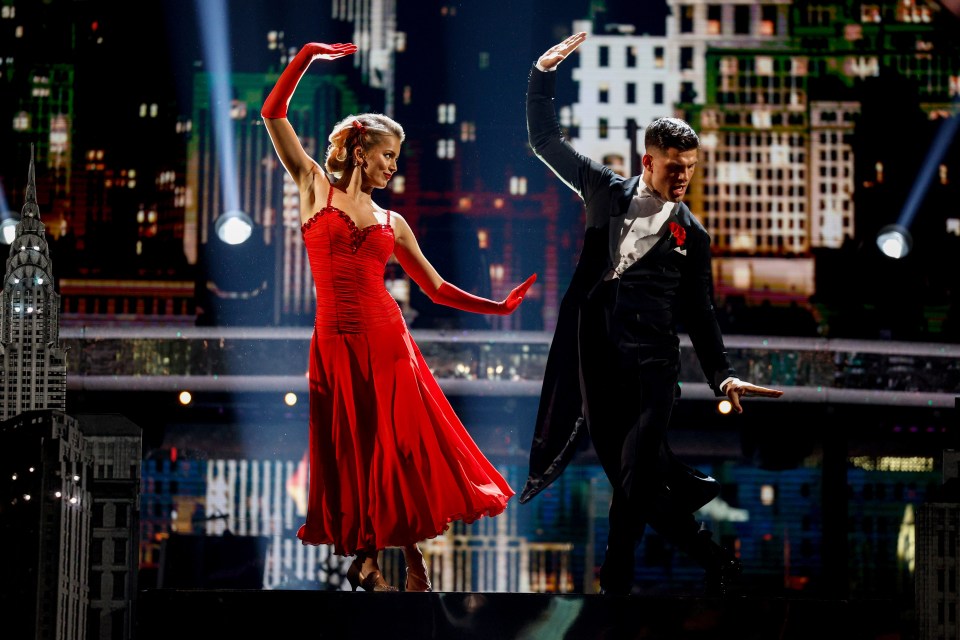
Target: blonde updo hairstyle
(365, 130)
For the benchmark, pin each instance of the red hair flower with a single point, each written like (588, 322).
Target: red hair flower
(679, 233)
(359, 126)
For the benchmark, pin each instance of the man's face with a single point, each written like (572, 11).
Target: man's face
(669, 172)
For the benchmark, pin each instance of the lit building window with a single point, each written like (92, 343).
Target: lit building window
(21, 121)
(518, 186)
(604, 93)
(714, 18)
(768, 20)
(59, 134)
(616, 163)
(870, 13)
(853, 32)
(658, 58)
(767, 495)
(446, 113)
(468, 132)
(238, 110)
(446, 148)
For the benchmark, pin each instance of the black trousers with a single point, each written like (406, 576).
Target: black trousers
(628, 379)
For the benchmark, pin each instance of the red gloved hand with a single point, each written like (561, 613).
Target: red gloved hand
(275, 106)
(451, 296)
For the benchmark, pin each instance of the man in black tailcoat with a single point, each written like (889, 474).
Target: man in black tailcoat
(614, 362)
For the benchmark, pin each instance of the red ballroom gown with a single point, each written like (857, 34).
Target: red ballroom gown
(390, 463)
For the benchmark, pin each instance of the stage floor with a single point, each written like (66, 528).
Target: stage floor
(321, 615)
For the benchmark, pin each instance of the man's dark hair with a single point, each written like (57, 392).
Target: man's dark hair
(670, 133)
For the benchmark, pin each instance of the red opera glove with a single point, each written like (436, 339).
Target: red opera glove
(451, 296)
(275, 106)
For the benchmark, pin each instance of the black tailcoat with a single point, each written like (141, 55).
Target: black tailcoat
(670, 284)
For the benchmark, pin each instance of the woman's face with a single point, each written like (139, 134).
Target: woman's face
(381, 162)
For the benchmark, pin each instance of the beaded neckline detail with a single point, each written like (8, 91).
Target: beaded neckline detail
(357, 234)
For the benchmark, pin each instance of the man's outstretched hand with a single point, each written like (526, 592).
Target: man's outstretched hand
(737, 389)
(558, 52)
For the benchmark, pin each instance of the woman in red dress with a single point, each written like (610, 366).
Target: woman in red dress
(390, 463)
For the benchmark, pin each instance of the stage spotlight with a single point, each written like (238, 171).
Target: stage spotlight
(724, 407)
(234, 227)
(8, 229)
(290, 399)
(185, 398)
(894, 241)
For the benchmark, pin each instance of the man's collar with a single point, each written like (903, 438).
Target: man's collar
(644, 191)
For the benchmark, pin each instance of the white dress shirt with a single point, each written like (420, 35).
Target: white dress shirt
(640, 229)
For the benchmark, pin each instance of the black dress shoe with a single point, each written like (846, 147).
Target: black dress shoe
(615, 585)
(721, 566)
(719, 578)
(616, 574)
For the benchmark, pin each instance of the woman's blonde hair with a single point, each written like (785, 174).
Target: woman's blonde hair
(366, 130)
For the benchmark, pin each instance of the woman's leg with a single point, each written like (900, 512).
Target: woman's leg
(418, 578)
(365, 573)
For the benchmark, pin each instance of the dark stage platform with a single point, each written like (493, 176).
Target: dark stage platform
(322, 615)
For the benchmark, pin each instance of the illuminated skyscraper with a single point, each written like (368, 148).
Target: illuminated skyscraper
(46, 465)
(33, 365)
(69, 488)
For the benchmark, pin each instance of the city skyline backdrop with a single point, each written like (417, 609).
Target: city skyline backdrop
(792, 101)
(816, 120)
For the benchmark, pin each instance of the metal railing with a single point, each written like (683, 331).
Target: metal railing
(481, 363)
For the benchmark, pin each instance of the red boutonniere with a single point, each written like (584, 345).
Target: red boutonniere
(679, 233)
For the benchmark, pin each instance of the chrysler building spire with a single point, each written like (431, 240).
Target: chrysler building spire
(33, 369)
